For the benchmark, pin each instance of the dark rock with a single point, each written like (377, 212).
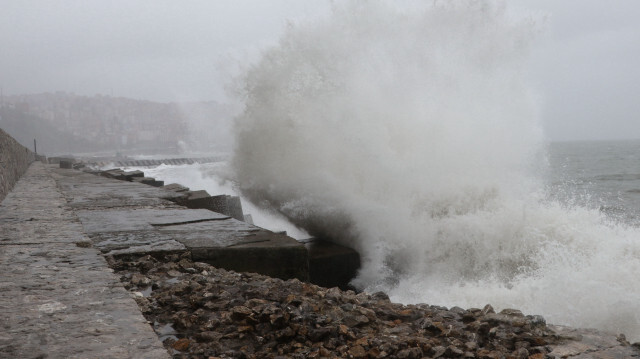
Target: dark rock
(357, 352)
(512, 312)
(224, 313)
(181, 345)
(208, 336)
(488, 309)
(355, 320)
(140, 280)
(437, 352)
(319, 334)
(240, 312)
(285, 334)
(520, 353)
(411, 353)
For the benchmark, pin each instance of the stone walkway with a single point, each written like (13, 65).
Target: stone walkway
(58, 298)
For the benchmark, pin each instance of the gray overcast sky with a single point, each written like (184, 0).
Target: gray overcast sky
(586, 64)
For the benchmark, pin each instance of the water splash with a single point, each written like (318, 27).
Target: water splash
(413, 136)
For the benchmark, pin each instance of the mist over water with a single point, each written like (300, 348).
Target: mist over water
(413, 136)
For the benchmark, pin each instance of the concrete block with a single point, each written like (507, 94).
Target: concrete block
(330, 264)
(115, 173)
(175, 187)
(65, 163)
(198, 199)
(150, 181)
(234, 208)
(225, 204)
(132, 174)
(220, 204)
(261, 252)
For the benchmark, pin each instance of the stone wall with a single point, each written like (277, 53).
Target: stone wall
(14, 161)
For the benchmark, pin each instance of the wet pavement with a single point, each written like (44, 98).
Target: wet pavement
(129, 218)
(58, 297)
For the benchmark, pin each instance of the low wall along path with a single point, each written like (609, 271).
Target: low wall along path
(14, 161)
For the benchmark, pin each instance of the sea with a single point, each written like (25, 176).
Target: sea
(603, 175)
(592, 200)
(416, 138)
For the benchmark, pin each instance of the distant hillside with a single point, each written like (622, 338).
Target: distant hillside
(50, 140)
(67, 123)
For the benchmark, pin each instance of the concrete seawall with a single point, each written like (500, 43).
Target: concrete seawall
(14, 161)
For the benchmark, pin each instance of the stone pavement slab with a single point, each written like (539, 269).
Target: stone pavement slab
(87, 191)
(117, 220)
(132, 218)
(58, 298)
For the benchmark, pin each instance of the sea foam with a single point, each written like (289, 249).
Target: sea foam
(413, 135)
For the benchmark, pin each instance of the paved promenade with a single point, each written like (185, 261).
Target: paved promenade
(58, 298)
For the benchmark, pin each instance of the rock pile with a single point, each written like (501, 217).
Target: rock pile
(203, 312)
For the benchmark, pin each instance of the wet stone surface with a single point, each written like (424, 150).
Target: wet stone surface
(87, 191)
(58, 297)
(123, 218)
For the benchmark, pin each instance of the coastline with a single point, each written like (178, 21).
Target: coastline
(199, 311)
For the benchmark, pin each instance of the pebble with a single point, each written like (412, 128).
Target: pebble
(223, 314)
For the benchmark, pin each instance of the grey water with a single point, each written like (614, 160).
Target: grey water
(603, 175)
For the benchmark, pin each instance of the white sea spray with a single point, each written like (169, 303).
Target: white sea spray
(414, 137)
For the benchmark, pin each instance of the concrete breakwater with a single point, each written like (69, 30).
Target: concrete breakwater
(323, 263)
(128, 162)
(14, 161)
(126, 217)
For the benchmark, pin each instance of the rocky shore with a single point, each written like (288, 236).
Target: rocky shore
(203, 312)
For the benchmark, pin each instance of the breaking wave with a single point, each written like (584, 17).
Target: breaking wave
(413, 136)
